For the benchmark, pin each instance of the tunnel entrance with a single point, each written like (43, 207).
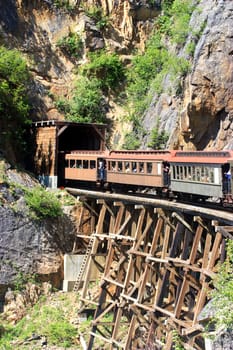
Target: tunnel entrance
(56, 138)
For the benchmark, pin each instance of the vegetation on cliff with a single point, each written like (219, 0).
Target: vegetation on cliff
(222, 295)
(14, 107)
(149, 69)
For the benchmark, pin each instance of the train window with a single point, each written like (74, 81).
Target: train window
(181, 173)
(134, 167)
(149, 168)
(72, 163)
(120, 166)
(127, 167)
(141, 167)
(189, 173)
(177, 172)
(159, 168)
(193, 173)
(207, 175)
(92, 164)
(203, 178)
(211, 175)
(67, 163)
(198, 173)
(79, 164)
(173, 172)
(113, 166)
(85, 164)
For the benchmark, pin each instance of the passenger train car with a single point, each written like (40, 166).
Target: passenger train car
(182, 174)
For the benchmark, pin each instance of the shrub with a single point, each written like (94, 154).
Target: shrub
(96, 13)
(131, 141)
(180, 11)
(44, 320)
(42, 203)
(71, 44)
(158, 139)
(107, 68)
(22, 279)
(14, 107)
(223, 293)
(63, 4)
(87, 104)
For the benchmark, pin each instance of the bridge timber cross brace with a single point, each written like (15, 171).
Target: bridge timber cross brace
(160, 258)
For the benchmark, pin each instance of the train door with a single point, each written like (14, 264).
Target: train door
(227, 181)
(231, 172)
(101, 172)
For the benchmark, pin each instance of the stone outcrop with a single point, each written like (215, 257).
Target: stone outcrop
(29, 246)
(202, 117)
(17, 303)
(35, 28)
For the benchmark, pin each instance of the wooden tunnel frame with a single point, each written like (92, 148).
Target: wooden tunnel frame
(160, 259)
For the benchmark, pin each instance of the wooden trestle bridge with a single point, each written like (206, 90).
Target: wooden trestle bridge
(155, 277)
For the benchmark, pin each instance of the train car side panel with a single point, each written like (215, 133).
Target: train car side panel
(135, 172)
(198, 179)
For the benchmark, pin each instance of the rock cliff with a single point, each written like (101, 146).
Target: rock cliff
(200, 116)
(29, 246)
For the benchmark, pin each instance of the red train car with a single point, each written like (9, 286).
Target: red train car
(188, 174)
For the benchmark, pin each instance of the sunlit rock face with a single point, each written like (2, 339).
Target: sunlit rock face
(30, 246)
(33, 247)
(199, 116)
(36, 27)
(202, 115)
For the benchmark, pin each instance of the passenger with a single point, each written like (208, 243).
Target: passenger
(166, 174)
(227, 185)
(101, 170)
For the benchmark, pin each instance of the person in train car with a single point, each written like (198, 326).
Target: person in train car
(166, 174)
(227, 183)
(101, 170)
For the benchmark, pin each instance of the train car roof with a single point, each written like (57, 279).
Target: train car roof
(137, 155)
(203, 157)
(88, 153)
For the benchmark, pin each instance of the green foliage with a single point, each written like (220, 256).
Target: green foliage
(190, 48)
(49, 321)
(22, 279)
(131, 141)
(158, 139)
(180, 12)
(14, 108)
(42, 203)
(223, 293)
(71, 45)
(86, 104)
(96, 13)
(177, 341)
(63, 4)
(149, 69)
(107, 68)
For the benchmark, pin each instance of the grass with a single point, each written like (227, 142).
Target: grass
(50, 318)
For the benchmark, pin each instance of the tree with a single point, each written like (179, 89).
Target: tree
(14, 108)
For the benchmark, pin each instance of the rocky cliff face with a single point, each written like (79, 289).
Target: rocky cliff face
(202, 116)
(29, 246)
(35, 28)
(198, 117)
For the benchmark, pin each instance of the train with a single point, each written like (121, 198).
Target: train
(189, 175)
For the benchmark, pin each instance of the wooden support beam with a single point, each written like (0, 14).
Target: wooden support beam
(156, 270)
